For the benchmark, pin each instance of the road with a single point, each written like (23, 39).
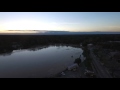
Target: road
(101, 70)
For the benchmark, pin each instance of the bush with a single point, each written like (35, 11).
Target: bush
(77, 60)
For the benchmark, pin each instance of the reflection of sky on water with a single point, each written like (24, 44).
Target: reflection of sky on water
(41, 63)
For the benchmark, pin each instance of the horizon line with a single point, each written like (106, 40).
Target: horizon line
(60, 30)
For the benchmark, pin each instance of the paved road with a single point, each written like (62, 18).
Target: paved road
(101, 70)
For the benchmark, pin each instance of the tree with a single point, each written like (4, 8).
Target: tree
(78, 61)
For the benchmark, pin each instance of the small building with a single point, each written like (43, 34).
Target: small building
(73, 66)
(90, 45)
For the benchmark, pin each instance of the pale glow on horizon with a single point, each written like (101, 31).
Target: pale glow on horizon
(34, 25)
(28, 25)
(59, 21)
(21, 31)
(37, 25)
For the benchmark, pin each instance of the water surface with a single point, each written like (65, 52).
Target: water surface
(37, 63)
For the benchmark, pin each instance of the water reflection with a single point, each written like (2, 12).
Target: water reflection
(37, 48)
(38, 62)
(6, 53)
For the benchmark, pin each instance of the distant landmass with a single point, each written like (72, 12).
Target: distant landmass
(45, 32)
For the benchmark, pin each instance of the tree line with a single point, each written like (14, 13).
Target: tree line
(27, 41)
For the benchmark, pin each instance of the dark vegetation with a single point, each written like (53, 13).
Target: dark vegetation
(11, 42)
(8, 43)
(111, 45)
(88, 59)
(78, 61)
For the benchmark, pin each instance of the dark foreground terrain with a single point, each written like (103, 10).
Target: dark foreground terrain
(10, 42)
(102, 52)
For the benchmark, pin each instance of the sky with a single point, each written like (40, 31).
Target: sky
(60, 21)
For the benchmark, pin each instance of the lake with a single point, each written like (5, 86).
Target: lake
(38, 62)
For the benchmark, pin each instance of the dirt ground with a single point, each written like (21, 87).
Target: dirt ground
(79, 73)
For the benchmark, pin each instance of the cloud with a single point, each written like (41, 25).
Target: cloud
(22, 31)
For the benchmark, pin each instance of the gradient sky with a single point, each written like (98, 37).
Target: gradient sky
(64, 21)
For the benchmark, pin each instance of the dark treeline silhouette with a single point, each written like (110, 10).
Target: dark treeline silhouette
(10, 42)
